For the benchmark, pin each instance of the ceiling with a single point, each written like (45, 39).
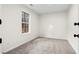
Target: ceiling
(48, 8)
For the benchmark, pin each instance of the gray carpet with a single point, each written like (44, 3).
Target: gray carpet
(44, 46)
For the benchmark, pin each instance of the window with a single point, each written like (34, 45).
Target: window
(25, 22)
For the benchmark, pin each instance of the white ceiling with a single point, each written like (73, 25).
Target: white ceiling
(48, 8)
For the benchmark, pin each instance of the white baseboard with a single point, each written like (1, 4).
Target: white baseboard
(73, 48)
(18, 45)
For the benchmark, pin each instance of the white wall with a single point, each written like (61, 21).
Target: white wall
(0, 18)
(13, 35)
(54, 25)
(78, 28)
(73, 17)
(0, 28)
